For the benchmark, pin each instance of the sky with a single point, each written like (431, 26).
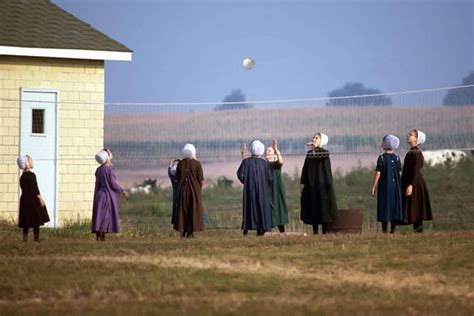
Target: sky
(192, 51)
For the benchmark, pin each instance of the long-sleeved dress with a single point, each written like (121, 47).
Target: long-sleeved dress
(389, 194)
(416, 207)
(190, 176)
(175, 185)
(31, 213)
(318, 200)
(105, 211)
(255, 175)
(279, 209)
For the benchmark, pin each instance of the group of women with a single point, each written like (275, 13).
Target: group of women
(264, 205)
(400, 199)
(404, 199)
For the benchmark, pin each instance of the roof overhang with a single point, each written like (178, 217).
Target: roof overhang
(65, 53)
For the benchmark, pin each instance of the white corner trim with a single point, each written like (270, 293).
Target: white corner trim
(65, 53)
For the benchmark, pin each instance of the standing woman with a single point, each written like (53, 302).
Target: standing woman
(254, 173)
(318, 201)
(387, 184)
(105, 211)
(190, 177)
(279, 209)
(416, 202)
(33, 213)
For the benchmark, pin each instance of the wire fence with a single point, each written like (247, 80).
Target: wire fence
(145, 136)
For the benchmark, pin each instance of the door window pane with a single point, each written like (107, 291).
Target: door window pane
(38, 121)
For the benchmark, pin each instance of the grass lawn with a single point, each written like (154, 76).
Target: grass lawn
(147, 268)
(221, 272)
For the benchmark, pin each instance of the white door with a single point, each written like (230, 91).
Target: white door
(39, 137)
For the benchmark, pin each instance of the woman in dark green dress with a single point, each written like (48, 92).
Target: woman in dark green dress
(279, 209)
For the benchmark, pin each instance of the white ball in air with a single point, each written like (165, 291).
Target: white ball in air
(248, 63)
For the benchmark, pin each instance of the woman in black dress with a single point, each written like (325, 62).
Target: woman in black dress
(416, 202)
(189, 210)
(318, 201)
(33, 213)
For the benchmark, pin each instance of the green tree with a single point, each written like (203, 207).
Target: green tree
(235, 96)
(461, 96)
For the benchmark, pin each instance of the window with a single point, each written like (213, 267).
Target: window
(37, 126)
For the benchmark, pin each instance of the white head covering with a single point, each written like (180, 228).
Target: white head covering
(22, 162)
(102, 157)
(257, 148)
(391, 141)
(324, 139)
(189, 151)
(421, 138)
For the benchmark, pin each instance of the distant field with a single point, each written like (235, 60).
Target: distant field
(144, 142)
(286, 123)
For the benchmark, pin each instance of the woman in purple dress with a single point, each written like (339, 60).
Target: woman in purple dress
(105, 211)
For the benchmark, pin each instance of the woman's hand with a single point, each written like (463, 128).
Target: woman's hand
(40, 198)
(409, 191)
(243, 151)
(126, 195)
(373, 191)
(274, 144)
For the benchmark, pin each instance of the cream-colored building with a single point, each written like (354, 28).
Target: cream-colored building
(51, 105)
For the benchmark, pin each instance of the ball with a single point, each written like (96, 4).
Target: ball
(248, 63)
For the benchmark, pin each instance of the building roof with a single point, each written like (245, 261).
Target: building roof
(41, 28)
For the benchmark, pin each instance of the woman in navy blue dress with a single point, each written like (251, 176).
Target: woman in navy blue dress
(387, 184)
(256, 176)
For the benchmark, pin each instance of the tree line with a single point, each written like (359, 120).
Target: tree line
(356, 93)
